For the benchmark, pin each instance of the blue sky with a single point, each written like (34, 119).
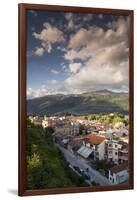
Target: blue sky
(75, 53)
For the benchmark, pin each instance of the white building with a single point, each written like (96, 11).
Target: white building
(113, 150)
(93, 145)
(36, 120)
(118, 174)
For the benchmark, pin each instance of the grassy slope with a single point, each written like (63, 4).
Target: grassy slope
(46, 167)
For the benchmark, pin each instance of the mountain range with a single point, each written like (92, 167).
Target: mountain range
(85, 103)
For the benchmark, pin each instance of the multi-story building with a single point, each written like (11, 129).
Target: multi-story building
(123, 153)
(67, 130)
(112, 147)
(93, 146)
(116, 151)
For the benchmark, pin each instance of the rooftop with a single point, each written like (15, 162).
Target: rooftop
(94, 139)
(119, 168)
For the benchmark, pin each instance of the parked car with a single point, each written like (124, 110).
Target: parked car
(76, 168)
(81, 171)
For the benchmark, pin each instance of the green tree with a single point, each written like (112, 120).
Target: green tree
(46, 166)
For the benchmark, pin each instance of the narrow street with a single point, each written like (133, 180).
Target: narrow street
(76, 161)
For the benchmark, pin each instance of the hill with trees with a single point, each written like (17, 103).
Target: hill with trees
(92, 102)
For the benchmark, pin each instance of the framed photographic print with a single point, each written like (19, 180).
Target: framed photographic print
(75, 99)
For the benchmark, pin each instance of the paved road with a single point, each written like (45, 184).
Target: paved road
(76, 161)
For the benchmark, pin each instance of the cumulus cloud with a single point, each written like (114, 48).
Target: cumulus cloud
(53, 82)
(34, 93)
(95, 58)
(33, 12)
(87, 17)
(96, 37)
(70, 20)
(54, 71)
(39, 51)
(49, 36)
(75, 67)
(105, 57)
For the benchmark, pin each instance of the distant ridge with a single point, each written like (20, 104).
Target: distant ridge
(88, 102)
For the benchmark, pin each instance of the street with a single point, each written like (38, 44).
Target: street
(76, 161)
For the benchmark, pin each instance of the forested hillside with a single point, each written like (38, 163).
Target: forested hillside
(93, 102)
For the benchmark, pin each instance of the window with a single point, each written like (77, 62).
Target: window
(110, 145)
(116, 153)
(110, 152)
(115, 145)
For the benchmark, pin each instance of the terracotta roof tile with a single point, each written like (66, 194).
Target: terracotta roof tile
(94, 139)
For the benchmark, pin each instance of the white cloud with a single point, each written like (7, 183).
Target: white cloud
(82, 54)
(62, 63)
(64, 67)
(47, 46)
(87, 17)
(54, 71)
(70, 20)
(105, 56)
(34, 93)
(68, 16)
(49, 36)
(95, 37)
(39, 51)
(53, 82)
(33, 12)
(75, 67)
(97, 59)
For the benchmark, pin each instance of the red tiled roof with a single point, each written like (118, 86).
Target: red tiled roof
(94, 139)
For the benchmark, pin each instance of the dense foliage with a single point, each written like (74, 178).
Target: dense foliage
(104, 117)
(46, 166)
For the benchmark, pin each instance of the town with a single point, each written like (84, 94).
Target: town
(94, 145)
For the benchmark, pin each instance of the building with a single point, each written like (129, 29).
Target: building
(112, 149)
(123, 153)
(93, 146)
(52, 121)
(118, 174)
(36, 120)
(116, 151)
(74, 144)
(66, 130)
(48, 123)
